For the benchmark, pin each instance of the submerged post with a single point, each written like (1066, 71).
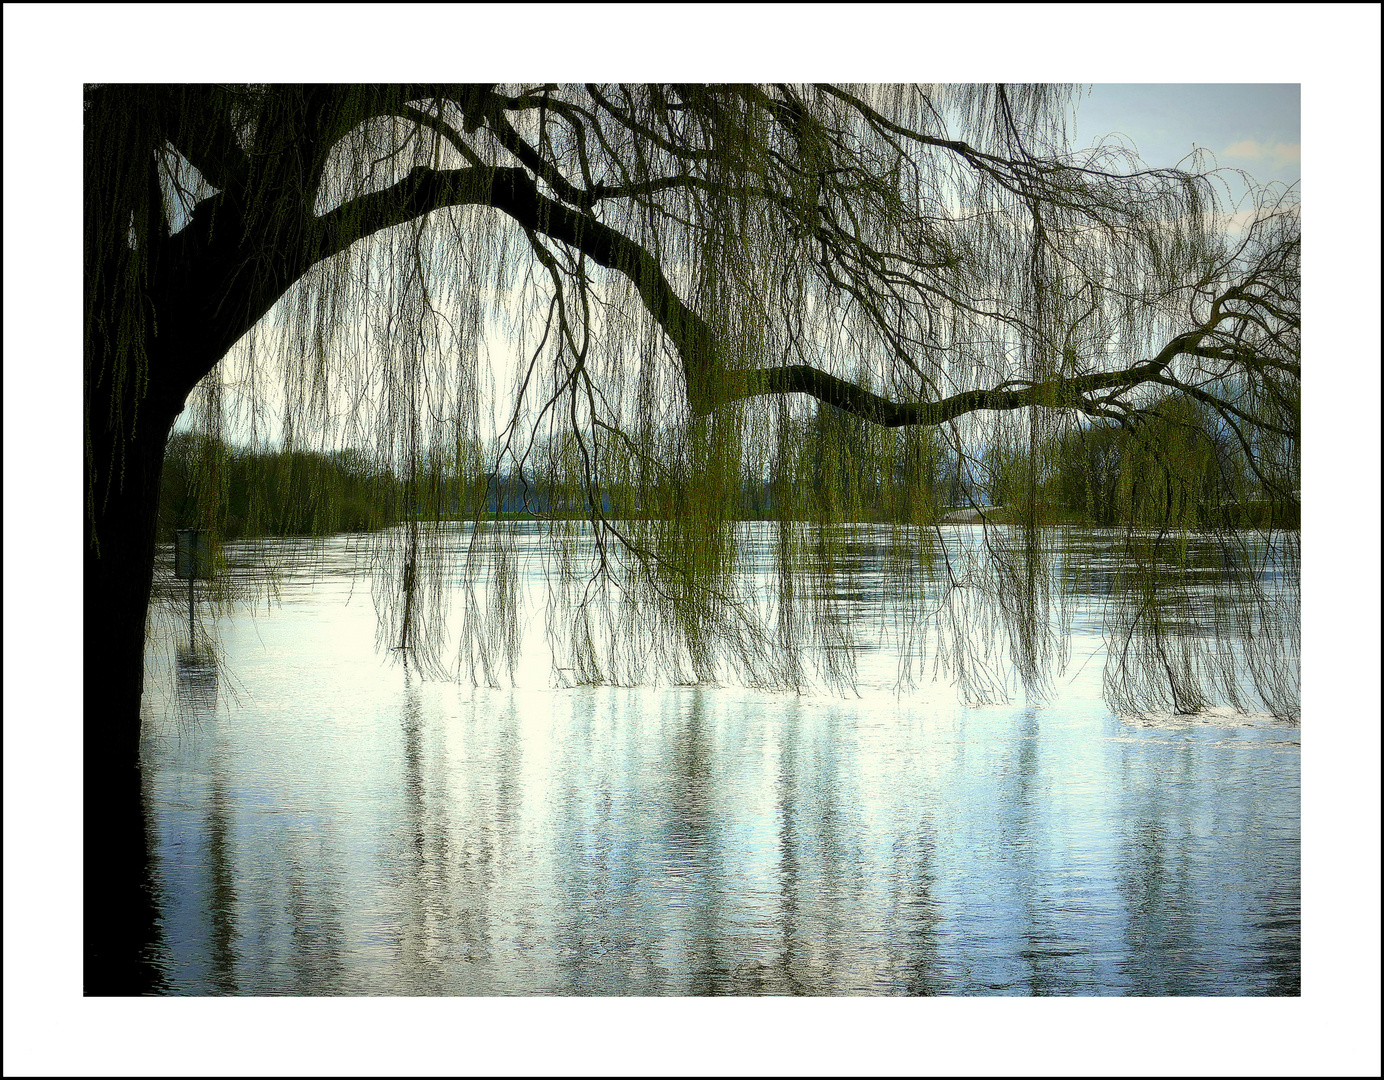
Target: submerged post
(192, 560)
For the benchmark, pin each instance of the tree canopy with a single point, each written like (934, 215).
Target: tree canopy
(682, 293)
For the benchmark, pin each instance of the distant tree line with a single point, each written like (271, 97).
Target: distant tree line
(246, 493)
(1183, 468)
(241, 493)
(1179, 468)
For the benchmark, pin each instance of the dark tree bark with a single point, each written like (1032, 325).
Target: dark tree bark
(119, 931)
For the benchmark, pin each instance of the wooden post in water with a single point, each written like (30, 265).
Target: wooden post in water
(192, 560)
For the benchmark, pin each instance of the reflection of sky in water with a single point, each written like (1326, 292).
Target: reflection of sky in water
(341, 827)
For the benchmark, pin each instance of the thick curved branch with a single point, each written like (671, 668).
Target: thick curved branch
(514, 191)
(709, 382)
(852, 398)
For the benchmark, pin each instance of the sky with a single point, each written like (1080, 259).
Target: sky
(1256, 127)
(1331, 50)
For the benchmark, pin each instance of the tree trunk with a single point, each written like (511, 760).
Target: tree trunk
(120, 916)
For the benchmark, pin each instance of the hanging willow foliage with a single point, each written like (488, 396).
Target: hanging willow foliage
(840, 303)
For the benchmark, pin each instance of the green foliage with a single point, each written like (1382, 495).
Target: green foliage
(1179, 468)
(241, 494)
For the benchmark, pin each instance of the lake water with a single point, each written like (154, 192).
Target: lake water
(327, 823)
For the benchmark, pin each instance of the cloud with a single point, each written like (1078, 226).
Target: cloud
(1278, 153)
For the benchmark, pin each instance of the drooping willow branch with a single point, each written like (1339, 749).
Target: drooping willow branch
(837, 244)
(709, 383)
(857, 400)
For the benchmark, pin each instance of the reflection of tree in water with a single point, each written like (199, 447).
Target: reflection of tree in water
(917, 912)
(289, 896)
(196, 691)
(629, 866)
(197, 684)
(787, 791)
(1058, 960)
(318, 939)
(692, 836)
(221, 896)
(599, 924)
(819, 882)
(1279, 928)
(484, 809)
(1204, 836)
(424, 876)
(1155, 880)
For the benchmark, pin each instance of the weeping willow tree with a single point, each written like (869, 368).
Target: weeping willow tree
(837, 298)
(832, 295)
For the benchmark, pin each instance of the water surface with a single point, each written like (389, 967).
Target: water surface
(329, 823)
